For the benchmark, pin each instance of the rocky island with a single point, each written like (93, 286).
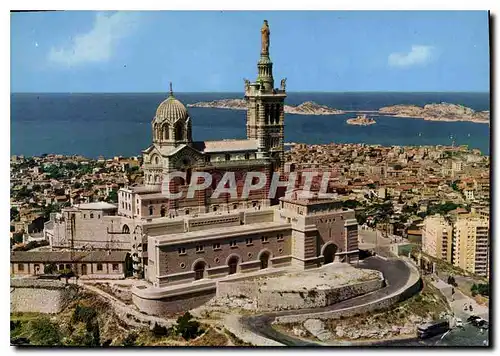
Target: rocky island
(437, 112)
(361, 120)
(306, 108)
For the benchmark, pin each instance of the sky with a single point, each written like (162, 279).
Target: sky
(213, 51)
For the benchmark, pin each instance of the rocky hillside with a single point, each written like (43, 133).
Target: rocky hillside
(306, 108)
(438, 112)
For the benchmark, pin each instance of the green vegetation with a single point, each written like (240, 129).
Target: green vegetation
(188, 328)
(14, 214)
(441, 209)
(17, 237)
(481, 288)
(112, 197)
(350, 204)
(130, 340)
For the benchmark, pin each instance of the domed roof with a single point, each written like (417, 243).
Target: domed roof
(171, 109)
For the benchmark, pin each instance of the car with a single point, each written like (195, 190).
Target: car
(472, 318)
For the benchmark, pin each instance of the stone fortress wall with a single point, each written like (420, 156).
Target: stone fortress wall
(412, 286)
(309, 289)
(39, 296)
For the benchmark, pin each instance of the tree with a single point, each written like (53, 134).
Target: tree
(159, 330)
(18, 237)
(187, 328)
(49, 268)
(14, 214)
(112, 197)
(130, 340)
(482, 289)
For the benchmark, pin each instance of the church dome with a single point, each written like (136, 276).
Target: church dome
(171, 110)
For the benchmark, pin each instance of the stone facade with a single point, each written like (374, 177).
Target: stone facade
(203, 237)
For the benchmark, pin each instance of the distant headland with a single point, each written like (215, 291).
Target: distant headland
(437, 112)
(430, 112)
(306, 108)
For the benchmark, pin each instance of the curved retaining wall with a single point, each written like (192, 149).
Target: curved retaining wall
(265, 298)
(412, 286)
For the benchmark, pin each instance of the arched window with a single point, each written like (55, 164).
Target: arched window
(126, 229)
(227, 157)
(179, 132)
(157, 160)
(166, 133)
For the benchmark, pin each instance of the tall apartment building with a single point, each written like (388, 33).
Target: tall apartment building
(437, 237)
(471, 244)
(463, 242)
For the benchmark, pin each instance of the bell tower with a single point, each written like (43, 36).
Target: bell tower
(265, 107)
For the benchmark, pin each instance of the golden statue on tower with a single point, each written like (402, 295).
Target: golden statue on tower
(265, 38)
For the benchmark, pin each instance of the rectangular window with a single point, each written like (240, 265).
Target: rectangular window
(216, 246)
(280, 237)
(20, 267)
(227, 157)
(207, 159)
(182, 251)
(232, 243)
(99, 266)
(264, 239)
(84, 216)
(115, 266)
(199, 248)
(249, 241)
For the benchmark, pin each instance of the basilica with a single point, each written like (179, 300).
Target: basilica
(176, 242)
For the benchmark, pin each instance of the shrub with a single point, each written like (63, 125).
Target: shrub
(159, 330)
(50, 268)
(84, 314)
(45, 333)
(187, 328)
(130, 340)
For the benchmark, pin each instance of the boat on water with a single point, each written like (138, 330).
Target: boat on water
(433, 328)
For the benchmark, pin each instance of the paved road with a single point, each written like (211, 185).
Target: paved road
(396, 273)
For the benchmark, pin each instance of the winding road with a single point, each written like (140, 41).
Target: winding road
(396, 274)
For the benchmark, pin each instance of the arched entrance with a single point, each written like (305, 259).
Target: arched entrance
(199, 270)
(264, 259)
(329, 253)
(233, 264)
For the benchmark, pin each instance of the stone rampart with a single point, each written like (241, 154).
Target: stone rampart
(257, 295)
(412, 286)
(39, 296)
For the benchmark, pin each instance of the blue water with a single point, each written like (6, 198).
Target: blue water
(119, 124)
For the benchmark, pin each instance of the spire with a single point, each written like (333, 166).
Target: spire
(171, 91)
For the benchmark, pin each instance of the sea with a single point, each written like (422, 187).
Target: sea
(110, 124)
